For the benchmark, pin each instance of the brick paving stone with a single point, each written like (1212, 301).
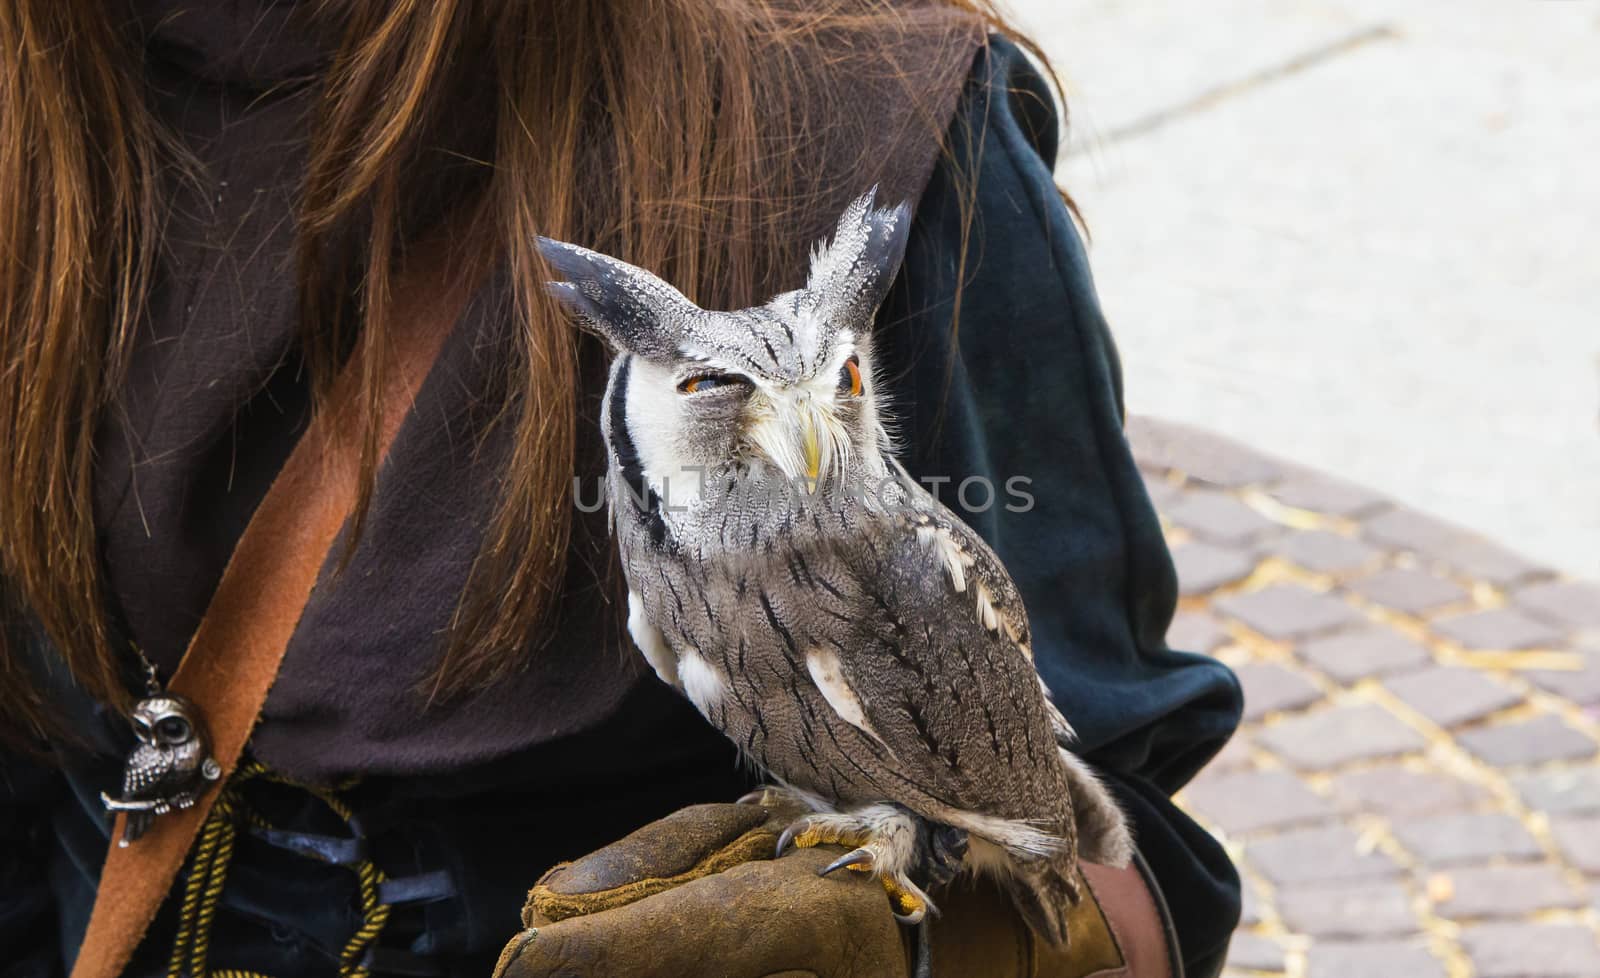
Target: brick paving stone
(1569, 791)
(1570, 604)
(1219, 518)
(1235, 756)
(1581, 686)
(1196, 631)
(1498, 628)
(1494, 564)
(1407, 529)
(1162, 493)
(1372, 959)
(1579, 840)
(1402, 793)
(1511, 890)
(1349, 656)
(1323, 494)
(1252, 952)
(1254, 800)
(1325, 553)
(1148, 439)
(1204, 567)
(1525, 950)
(1269, 688)
(1452, 695)
(1453, 840)
(1543, 738)
(1373, 908)
(1339, 735)
(1249, 904)
(1408, 590)
(1201, 455)
(1288, 611)
(1327, 854)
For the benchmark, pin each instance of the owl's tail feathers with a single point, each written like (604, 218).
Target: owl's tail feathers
(1103, 833)
(1044, 893)
(1046, 889)
(1036, 864)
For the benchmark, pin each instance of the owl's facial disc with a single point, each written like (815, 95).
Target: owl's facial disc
(689, 421)
(808, 429)
(682, 424)
(694, 392)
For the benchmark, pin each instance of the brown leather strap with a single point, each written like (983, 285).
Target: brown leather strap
(234, 655)
(1137, 918)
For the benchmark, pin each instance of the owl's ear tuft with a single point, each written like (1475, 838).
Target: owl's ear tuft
(628, 307)
(851, 274)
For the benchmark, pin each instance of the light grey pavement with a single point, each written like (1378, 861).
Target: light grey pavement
(1360, 235)
(1415, 791)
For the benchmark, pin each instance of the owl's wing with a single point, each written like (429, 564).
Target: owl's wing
(934, 658)
(142, 771)
(973, 568)
(976, 569)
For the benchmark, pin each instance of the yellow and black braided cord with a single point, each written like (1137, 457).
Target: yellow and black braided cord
(208, 870)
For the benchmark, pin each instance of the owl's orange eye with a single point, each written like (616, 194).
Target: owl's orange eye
(850, 376)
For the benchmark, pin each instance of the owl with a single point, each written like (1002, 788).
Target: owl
(169, 766)
(853, 637)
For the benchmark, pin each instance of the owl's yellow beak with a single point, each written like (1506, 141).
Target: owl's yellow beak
(811, 445)
(799, 435)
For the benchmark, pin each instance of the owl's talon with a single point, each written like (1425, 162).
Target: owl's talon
(886, 841)
(786, 838)
(775, 796)
(914, 917)
(860, 860)
(780, 798)
(908, 903)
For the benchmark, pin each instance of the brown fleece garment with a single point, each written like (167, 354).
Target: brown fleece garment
(216, 398)
(235, 653)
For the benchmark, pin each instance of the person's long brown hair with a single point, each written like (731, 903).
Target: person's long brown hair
(655, 131)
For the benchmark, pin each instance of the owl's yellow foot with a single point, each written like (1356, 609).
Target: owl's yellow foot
(886, 845)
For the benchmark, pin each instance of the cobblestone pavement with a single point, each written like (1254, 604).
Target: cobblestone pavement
(1415, 791)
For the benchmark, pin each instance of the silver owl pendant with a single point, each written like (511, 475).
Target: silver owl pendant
(169, 768)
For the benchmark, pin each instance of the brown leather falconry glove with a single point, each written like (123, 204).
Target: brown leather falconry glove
(698, 894)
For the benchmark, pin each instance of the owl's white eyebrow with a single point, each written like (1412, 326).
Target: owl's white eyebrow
(697, 365)
(845, 348)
